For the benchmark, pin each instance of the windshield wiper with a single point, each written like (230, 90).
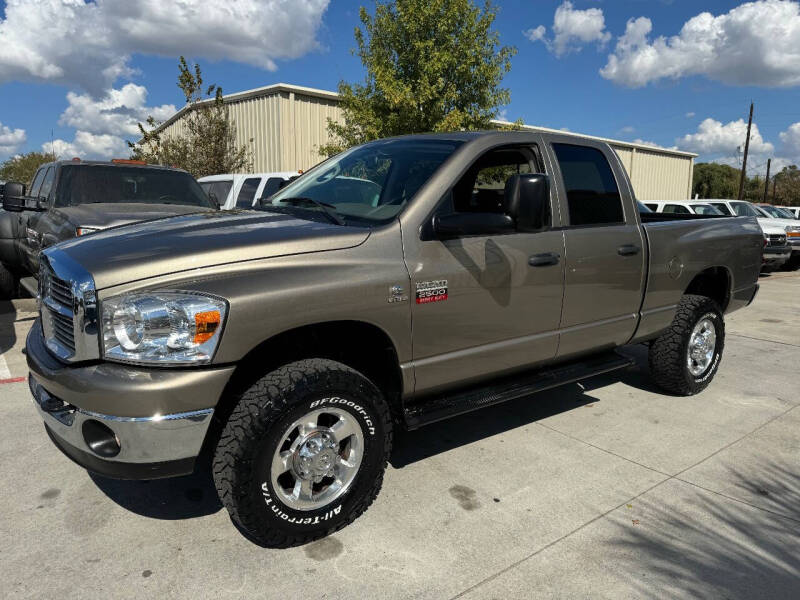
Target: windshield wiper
(328, 209)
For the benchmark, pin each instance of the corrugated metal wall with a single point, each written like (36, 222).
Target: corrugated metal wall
(657, 175)
(283, 131)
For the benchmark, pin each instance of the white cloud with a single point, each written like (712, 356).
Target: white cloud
(791, 140)
(689, 115)
(90, 43)
(89, 145)
(628, 129)
(756, 43)
(712, 137)
(572, 29)
(116, 113)
(653, 144)
(11, 140)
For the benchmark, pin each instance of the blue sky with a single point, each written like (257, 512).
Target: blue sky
(691, 91)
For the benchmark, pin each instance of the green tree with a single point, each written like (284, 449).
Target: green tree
(207, 145)
(23, 167)
(787, 187)
(712, 180)
(431, 65)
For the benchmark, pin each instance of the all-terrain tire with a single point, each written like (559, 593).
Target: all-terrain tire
(668, 355)
(243, 457)
(8, 283)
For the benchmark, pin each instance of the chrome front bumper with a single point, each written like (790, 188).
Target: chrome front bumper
(136, 448)
(159, 417)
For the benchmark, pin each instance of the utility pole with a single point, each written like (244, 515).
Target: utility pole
(746, 148)
(774, 184)
(766, 181)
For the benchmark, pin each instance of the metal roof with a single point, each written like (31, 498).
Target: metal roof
(277, 88)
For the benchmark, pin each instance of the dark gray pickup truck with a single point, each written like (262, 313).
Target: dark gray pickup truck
(74, 198)
(399, 283)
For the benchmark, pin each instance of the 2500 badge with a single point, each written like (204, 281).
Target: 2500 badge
(431, 291)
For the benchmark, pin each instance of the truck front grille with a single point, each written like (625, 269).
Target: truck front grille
(776, 239)
(58, 313)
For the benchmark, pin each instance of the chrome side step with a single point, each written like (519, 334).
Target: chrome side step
(437, 408)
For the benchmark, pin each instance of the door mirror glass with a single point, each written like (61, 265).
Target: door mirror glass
(14, 197)
(526, 200)
(476, 223)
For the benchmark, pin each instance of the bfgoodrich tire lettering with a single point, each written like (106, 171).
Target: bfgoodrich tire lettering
(670, 351)
(258, 425)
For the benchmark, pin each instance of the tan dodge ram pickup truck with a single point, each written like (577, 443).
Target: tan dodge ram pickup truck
(396, 284)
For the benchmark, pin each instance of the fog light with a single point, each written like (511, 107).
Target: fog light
(100, 439)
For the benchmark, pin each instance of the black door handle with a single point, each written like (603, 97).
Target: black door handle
(628, 250)
(543, 260)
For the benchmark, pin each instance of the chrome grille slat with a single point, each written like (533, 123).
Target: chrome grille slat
(68, 306)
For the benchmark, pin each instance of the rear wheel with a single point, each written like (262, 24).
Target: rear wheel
(685, 358)
(303, 453)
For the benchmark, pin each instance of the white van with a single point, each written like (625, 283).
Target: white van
(241, 190)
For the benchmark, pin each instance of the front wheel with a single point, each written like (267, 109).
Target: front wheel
(685, 358)
(303, 453)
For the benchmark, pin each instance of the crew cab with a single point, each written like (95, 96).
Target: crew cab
(237, 190)
(75, 198)
(285, 346)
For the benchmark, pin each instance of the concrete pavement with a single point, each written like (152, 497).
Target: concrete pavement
(606, 489)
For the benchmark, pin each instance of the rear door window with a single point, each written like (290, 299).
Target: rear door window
(723, 208)
(676, 209)
(593, 197)
(273, 185)
(247, 193)
(742, 209)
(653, 207)
(705, 209)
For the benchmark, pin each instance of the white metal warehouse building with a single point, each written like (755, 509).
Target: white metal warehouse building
(283, 125)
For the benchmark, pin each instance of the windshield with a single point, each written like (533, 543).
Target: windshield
(217, 190)
(743, 209)
(95, 184)
(369, 184)
(705, 209)
(775, 212)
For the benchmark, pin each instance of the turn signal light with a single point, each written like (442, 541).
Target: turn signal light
(206, 323)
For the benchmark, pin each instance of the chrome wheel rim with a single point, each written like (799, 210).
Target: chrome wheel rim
(317, 459)
(702, 344)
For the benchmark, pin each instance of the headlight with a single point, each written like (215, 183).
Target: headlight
(162, 327)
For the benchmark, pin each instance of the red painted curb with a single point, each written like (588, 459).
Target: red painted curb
(13, 380)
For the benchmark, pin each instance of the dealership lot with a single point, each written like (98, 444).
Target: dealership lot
(607, 488)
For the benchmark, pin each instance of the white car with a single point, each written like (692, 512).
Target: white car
(682, 207)
(776, 231)
(243, 190)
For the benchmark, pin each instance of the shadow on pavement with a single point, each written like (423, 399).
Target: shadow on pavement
(413, 446)
(715, 547)
(8, 315)
(175, 498)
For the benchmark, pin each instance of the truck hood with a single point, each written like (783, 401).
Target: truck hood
(102, 215)
(775, 225)
(207, 239)
(782, 223)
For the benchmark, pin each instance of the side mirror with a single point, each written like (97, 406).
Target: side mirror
(14, 197)
(458, 224)
(527, 200)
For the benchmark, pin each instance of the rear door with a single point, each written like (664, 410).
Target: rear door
(605, 248)
(30, 241)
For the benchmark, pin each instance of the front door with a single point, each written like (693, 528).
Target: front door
(478, 306)
(605, 251)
